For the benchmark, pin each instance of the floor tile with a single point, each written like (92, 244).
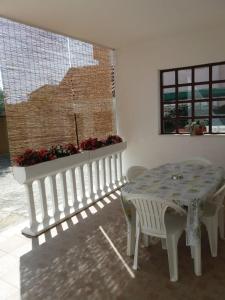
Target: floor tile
(21, 250)
(8, 262)
(2, 253)
(12, 276)
(15, 296)
(2, 238)
(7, 291)
(12, 244)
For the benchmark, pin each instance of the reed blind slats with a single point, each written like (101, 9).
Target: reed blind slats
(50, 82)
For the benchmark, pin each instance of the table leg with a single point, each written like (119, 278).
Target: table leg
(194, 234)
(197, 258)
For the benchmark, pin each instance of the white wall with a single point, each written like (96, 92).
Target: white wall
(138, 102)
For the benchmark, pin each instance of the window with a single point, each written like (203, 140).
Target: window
(189, 94)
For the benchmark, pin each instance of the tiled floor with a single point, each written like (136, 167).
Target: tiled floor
(79, 260)
(12, 246)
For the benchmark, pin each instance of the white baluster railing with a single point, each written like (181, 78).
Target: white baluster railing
(53, 189)
(110, 172)
(66, 186)
(98, 184)
(83, 186)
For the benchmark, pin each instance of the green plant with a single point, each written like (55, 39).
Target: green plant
(197, 128)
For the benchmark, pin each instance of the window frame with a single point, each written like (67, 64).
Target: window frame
(193, 100)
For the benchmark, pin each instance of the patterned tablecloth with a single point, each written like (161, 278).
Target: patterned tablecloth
(197, 183)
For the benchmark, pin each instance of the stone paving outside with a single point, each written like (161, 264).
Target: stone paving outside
(13, 208)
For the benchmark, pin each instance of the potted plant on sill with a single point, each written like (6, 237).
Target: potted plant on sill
(197, 128)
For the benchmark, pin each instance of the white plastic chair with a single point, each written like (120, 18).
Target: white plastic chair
(134, 171)
(213, 219)
(200, 160)
(129, 211)
(153, 220)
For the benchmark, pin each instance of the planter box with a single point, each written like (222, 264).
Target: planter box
(107, 150)
(27, 174)
(31, 173)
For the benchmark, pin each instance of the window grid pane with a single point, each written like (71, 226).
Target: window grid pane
(198, 94)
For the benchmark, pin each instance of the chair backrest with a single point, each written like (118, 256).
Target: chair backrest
(151, 212)
(134, 171)
(198, 160)
(219, 196)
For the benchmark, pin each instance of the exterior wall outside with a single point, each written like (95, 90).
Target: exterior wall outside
(4, 145)
(138, 97)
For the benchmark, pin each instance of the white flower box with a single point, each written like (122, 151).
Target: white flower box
(107, 150)
(30, 173)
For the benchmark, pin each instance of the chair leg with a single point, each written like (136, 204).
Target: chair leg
(163, 242)
(192, 251)
(171, 243)
(221, 223)
(212, 229)
(135, 265)
(131, 228)
(146, 240)
(130, 239)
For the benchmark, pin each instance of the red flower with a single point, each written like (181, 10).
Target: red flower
(32, 157)
(71, 149)
(113, 139)
(91, 144)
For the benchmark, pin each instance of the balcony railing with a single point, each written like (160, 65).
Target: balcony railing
(58, 189)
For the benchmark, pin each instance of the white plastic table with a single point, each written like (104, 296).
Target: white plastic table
(195, 185)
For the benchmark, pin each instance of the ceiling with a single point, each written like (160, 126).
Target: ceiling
(117, 23)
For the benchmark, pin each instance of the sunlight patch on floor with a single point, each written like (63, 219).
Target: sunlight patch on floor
(117, 252)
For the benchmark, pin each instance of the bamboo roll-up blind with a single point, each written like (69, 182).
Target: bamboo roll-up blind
(49, 82)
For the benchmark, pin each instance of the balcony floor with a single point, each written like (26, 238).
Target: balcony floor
(77, 261)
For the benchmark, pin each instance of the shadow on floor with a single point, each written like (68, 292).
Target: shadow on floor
(79, 263)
